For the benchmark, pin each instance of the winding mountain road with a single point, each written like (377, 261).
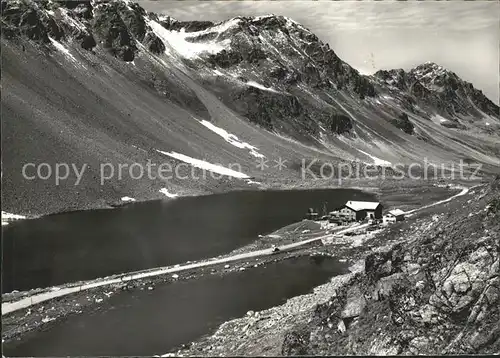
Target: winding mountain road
(463, 192)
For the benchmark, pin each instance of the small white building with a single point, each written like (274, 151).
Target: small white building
(393, 216)
(358, 210)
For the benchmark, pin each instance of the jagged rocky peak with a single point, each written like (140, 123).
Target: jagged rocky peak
(283, 50)
(240, 23)
(428, 67)
(112, 25)
(278, 22)
(425, 73)
(237, 26)
(170, 23)
(434, 74)
(440, 88)
(25, 18)
(447, 85)
(396, 77)
(276, 47)
(41, 21)
(117, 25)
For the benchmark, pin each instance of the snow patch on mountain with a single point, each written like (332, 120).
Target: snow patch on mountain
(262, 87)
(176, 42)
(205, 165)
(436, 118)
(232, 139)
(60, 47)
(168, 194)
(377, 161)
(342, 107)
(236, 77)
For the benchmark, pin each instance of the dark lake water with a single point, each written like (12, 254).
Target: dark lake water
(159, 321)
(85, 245)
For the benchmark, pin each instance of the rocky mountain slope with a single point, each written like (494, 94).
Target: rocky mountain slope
(431, 286)
(437, 293)
(93, 82)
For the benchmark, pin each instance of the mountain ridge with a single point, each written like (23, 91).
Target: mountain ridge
(432, 78)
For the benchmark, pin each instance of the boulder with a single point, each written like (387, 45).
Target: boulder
(356, 302)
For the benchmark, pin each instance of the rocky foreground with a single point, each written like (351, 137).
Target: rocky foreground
(433, 288)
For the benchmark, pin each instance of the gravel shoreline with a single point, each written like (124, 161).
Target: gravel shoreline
(41, 316)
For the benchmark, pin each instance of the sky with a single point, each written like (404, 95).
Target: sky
(462, 36)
